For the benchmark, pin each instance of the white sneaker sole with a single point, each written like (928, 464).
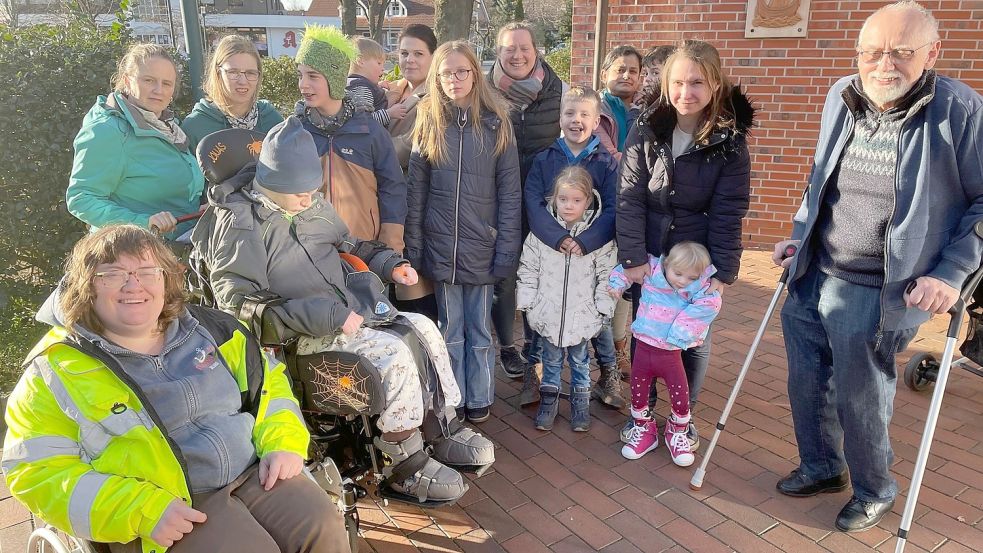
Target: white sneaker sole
(684, 460)
(629, 453)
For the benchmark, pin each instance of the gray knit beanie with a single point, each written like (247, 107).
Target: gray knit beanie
(288, 162)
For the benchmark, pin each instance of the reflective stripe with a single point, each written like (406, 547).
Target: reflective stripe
(281, 404)
(35, 449)
(94, 436)
(80, 504)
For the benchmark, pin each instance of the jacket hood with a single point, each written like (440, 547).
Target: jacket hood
(590, 215)
(50, 312)
(207, 108)
(695, 286)
(659, 119)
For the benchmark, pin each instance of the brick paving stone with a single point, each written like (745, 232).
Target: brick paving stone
(573, 544)
(621, 546)
(646, 507)
(545, 495)
(517, 444)
(693, 538)
(502, 491)
(839, 542)
(551, 470)
(639, 532)
(600, 505)
(525, 543)
(690, 509)
(599, 476)
(493, 520)
(560, 450)
(453, 521)
(587, 527)
(478, 541)
(742, 513)
(787, 539)
(953, 529)
(741, 539)
(432, 540)
(540, 524)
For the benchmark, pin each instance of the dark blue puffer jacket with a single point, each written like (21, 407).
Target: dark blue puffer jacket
(463, 222)
(703, 195)
(603, 170)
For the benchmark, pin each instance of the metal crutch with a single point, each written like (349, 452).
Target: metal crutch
(956, 312)
(696, 482)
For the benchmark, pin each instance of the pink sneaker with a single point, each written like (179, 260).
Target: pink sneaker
(642, 438)
(678, 443)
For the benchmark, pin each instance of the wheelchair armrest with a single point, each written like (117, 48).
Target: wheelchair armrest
(263, 322)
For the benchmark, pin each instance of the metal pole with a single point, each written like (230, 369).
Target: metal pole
(600, 39)
(170, 21)
(193, 42)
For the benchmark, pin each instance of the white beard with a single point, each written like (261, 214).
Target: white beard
(883, 95)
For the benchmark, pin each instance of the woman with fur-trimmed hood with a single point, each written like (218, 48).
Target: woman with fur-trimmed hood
(686, 175)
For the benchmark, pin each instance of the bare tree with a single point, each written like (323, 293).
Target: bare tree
(348, 21)
(377, 17)
(8, 12)
(452, 19)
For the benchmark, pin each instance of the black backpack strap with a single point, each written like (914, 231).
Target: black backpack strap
(222, 326)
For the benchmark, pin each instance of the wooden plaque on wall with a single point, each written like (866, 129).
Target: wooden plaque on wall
(777, 18)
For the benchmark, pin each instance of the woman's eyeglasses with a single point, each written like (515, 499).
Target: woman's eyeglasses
(458, 75)
(234, 74)
(117, 279)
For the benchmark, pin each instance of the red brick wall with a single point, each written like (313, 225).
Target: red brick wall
(787, 78)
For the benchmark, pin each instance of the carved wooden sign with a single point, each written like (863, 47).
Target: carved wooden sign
(776, 18)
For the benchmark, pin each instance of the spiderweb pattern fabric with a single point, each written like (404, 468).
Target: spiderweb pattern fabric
(338, 383)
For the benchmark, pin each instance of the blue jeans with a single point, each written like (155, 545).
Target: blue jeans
(553, 363)
(841, 381)
(604, 345)
(464, 317)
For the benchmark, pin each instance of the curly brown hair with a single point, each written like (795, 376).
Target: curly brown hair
(107, 245)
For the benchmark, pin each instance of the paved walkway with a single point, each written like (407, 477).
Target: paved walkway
(565, 491)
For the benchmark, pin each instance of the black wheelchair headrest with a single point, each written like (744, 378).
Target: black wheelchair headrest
(223, 153)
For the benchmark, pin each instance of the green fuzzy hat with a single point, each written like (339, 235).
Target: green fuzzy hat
(329, 51)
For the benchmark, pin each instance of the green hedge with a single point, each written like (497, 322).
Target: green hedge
(49, 77)
(559, 60)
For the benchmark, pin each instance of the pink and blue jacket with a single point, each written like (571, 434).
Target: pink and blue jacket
(667, 318)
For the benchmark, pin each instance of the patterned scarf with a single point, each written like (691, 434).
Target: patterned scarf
(520, 92)
(164, 124)
(248, 122)
(329, 124)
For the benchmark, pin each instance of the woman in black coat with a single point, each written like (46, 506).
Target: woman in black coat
(686, 175)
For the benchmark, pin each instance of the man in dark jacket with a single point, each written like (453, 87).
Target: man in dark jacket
(895, 191)
(533, 90)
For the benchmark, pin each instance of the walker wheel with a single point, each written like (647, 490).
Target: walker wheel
(917, 369)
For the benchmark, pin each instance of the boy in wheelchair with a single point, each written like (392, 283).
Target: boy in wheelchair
(269, 239)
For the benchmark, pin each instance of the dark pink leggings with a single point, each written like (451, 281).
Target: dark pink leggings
(650, 362)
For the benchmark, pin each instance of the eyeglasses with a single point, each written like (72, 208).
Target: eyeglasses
(117, 279)
(897, 55)
(458, 75)
(251, 75)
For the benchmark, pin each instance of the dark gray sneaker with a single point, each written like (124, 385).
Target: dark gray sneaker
(693, 436)
(512, 362)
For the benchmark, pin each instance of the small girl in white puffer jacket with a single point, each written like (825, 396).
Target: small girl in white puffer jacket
(565, 297)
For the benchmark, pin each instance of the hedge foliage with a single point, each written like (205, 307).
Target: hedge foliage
(49, 78)
(559, 60)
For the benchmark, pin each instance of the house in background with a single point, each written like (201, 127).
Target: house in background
(151, 20)
(399, 14)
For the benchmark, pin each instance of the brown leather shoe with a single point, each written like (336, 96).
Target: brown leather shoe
(622, 355)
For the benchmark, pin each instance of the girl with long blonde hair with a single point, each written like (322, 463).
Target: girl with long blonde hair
(463, 222)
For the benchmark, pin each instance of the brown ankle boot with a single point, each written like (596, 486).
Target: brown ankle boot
(531, 381)
(622, 354)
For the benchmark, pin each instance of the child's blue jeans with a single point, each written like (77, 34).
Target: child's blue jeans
(553, 363)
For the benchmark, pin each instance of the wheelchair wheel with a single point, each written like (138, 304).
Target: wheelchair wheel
(45, 539)
(920, 371)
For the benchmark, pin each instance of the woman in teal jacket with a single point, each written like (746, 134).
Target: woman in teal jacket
(132, 161)
(233, 78)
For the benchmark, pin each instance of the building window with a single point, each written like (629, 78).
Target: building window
(392, 39)
(396, 9)
(360, 10)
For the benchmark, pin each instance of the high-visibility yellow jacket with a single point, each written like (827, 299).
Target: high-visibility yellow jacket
(86, 452)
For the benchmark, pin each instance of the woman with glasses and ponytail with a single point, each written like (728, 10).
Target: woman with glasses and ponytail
(233, 77)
